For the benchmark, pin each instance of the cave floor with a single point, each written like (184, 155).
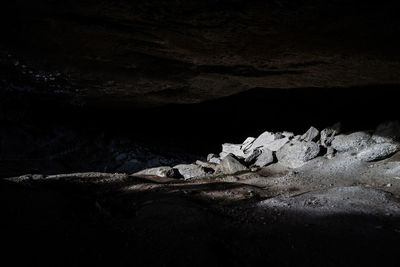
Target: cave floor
(329, 212)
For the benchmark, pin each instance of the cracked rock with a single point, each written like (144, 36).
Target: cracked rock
(296, 153)
(163, 171)
(265, 158)
(189, 171)
(231, 165)
(310, 135)
(378, 151)
(351, 142)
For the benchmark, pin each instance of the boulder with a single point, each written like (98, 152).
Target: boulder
(277, 144)
(253, 156)
(215, 160)
(327, 136)
(230, 165)
(189, 171)
(247, 144)
(351, 142)
(296, 153)
(330, 152)
(163, 171)
(211, 156)
(310, 135)
(265, 158)
(263, 139)
(232, 149)
(378, 151)
(207, 165)
(288, 134)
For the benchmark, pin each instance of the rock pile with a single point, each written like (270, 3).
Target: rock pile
(289, 150)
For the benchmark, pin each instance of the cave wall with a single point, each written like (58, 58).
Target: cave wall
(150, 53)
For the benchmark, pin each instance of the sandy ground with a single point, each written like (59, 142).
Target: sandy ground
(329, 212)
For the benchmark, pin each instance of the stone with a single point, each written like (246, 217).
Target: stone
(327, 136)
(247, 144)
(231, 149)
(297, 138)
(207, 165)
(277, 144)
(330, 152)
(189, 171)
(231, 165)
(211, 156)
(253, 156)
(387, 132)
(288, 134)
(296, 153)
(215, 160)
(163, 171)
(378, 151)
(265, 158)
(310, 135)
(351, 142)
(263, 139)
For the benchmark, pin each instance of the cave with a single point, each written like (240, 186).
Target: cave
(193, 133)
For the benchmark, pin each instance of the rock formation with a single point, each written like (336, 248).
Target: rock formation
(292, 151)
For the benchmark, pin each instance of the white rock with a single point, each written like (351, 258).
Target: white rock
(263, 139)
(231, 165)
(277, 144)
(288, 134)
(163, 171)
(352, 142)
(296, 153)
(310, 135)
(327, 136)
(232, 149)
(215, 160)
(265, 158)
(210, 156)
(247, 144)
(189, 171)
(378, 151)
(253, 155)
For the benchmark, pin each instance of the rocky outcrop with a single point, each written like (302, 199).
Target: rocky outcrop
(290, 151)
(231, 165)
(296, 153)
(351, 142)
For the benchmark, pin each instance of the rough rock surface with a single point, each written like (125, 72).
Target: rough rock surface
(378, 151)
(310, 135)
(276, 144)
(231, 165)
(253, 156)
(296, 153)
(264, 139)
(351, 142)
(189, 171)
(327, 136)
(234, 149)
(164, 171)
(265, 158)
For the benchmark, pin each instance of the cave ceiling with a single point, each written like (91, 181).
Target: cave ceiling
(149, 53)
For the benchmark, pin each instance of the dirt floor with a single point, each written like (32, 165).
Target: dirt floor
(327, 213)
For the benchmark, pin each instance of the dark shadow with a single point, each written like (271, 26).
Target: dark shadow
(172, 227)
